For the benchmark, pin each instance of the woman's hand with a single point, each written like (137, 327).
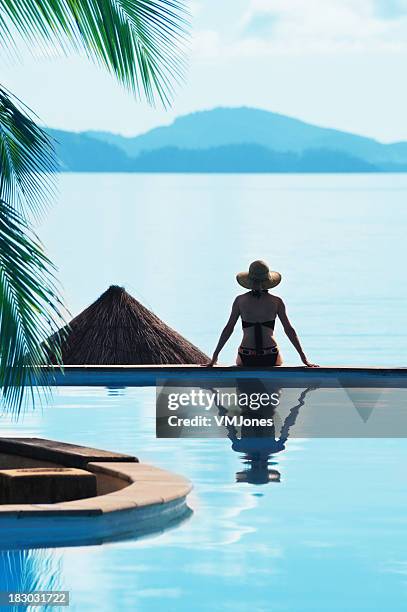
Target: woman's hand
(309, 364)
(211, 363)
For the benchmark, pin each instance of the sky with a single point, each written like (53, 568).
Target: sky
(335, 63)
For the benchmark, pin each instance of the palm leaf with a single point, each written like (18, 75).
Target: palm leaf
(30, 307)
(142, 42)
(27, 157)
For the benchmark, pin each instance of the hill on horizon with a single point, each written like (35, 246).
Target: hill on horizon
(217, 141)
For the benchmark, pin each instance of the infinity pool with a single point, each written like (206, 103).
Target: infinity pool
(328, 532)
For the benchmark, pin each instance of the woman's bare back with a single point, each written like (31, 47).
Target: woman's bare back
(261, 309)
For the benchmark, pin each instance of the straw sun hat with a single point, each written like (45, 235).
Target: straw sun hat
(259, 276)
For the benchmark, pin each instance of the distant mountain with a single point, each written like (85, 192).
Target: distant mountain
(80, 153)
(247, 158)
(226, 126)
(230, 140)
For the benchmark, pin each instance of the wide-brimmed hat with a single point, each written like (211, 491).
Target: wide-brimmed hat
(259, 276)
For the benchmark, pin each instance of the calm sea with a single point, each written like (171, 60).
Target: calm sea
(176, 242)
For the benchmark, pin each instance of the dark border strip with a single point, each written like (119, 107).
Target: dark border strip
(147, 376)
(68, 455)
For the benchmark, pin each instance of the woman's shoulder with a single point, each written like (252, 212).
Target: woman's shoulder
(276, 299)
(241, 301)
(242, 296)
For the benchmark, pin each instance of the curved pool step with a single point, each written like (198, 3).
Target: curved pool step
(133, 497)
(146, 485)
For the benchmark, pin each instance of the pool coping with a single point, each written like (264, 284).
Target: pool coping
(148, 486)
(118, 376)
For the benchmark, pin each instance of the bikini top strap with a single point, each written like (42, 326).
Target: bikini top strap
(265, 323)
(258, 336)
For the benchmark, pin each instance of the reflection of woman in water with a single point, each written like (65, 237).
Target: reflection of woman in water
(256, 443)
(258, 310)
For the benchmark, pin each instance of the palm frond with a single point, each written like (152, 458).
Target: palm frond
(142, 42)
(27, 157)
(30, 307)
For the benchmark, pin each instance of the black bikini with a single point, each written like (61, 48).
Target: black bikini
(260, 356)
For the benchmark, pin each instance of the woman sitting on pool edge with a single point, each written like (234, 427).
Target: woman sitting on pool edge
(259, 309)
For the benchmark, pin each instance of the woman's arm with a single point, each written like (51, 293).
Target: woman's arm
(292, 334)
(226, 333)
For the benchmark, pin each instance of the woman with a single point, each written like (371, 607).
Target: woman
(259, 309)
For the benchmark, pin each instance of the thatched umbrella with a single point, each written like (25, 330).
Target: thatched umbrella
(118, 330)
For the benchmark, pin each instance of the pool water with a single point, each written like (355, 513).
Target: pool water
(330, 535)
(329, 531)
